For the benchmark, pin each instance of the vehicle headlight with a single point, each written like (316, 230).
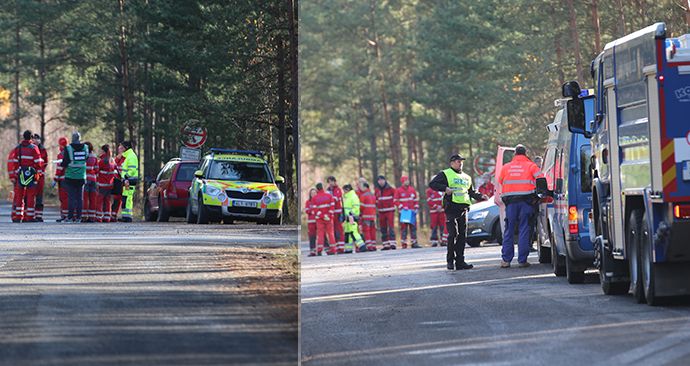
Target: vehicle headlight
(275, 195)
(213, 191)
(479, 215)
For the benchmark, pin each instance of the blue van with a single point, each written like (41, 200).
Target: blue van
(563, 225)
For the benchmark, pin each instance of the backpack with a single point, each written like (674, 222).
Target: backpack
(26, 174)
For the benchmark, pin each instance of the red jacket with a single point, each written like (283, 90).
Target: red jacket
(59, 170)
(435, 200)
(44, 157)
(26, 154)
(385, 197)
(519, 177)
(91, 167)
(367, 204)
(338, 196)
(105, 172)
(323, 206)
(406, 198)
(118, 166)
(310, 211)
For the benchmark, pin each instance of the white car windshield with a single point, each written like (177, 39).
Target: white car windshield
(239, 171)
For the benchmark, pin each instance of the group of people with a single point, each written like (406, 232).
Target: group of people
(334, 215)
(91, 187)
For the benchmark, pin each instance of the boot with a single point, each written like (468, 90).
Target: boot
(386, 247)
(362, 248)
(416, 246)
(371, 248)
(312, 254)
(393, 247)
(404, 245)
(331, 251)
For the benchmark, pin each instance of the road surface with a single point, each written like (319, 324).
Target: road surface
(405, 308)
(146, 293)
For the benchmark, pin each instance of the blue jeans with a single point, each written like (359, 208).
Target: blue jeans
(517, 214)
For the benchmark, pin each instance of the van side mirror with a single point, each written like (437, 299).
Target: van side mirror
(571, 89)
(199, 173)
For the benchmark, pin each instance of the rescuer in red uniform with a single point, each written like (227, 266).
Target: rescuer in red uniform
(90, 188)
(59, 180)
(36, 138)
(24, 165)
(117, 184)
(337, 193)
(436, 216)
(385, 206)
(367, 204)
(104, 181)
(311, 222)
(407, 198)
(324, 205)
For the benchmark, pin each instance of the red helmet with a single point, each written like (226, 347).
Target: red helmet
(62, 141)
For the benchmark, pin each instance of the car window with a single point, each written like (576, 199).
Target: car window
(167, 173)
(161, 174)
(585, 161)
(242, 171)
(185, 173)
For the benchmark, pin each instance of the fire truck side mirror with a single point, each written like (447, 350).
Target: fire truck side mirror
(576, 116)
(571, 89)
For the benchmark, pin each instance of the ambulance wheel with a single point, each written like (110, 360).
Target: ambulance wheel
(473, 243)
(148, 215)
(648, 267)
(191, 217)
(203, 216)
(572, 273)
(163, 212)
(635, 258)
(557, 261)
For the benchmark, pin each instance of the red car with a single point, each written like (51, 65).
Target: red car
(168, 194)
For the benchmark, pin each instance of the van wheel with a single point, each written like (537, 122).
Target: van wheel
(544, 254)
(473, 243)
(148, 215)
(557, 261)
(633, 243)
(191, 217)
(163, 212)
(203, 216)
(648, 267)
(572, 274)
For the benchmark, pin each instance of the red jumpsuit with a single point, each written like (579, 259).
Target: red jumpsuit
(323, 204)
(117, 189)
(367, 214)
(311, 225)
(25, 155)
(385, 206)
(90, 190)
(437, 217)
(104, 183)
(41, 184)
(60, 178)
(337, 194)
(406, 198)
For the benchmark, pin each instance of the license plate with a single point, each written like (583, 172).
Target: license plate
(243, 204)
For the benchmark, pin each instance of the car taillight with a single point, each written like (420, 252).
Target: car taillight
(681, 211)
(572, 220)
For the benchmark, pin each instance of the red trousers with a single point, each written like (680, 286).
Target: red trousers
(103, 206)
(324, 229)
(338, 230)
(438, 226)
(311, 232)
(387, 227)
(89, 206)
(64, 200)
(369, 231)
(19, 211)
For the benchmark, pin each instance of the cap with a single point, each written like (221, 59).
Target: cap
(520, 149)
(404, 179)
(76, 136)
(455, 157)
(62, 141)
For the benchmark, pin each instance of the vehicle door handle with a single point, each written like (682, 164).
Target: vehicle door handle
(605, 156)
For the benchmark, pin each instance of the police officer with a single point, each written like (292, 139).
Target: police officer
(457, 188)
(518, 179)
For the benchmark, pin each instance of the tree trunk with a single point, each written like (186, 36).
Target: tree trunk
(282, 151)
(470, 152)
(371, 130)
(559, 58)
(576, 41)
(17, 108)
(294, 96)
(621, 18)
(149, 164)
(421, 177)
(124, 65)
(42, 75)
(596, 27)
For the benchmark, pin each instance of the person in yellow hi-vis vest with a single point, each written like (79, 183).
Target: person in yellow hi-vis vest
(130, 178)
(350, 227)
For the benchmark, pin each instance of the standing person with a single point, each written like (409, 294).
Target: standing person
(368, 217)
(104, 182)
(40, 183)
(59, 180)
(407, 200)
(457, 188)
(385, 206)
(130, 178)
(90, 188)
(74, 162)
(24, 165)
(360, 187)
(436, 217)
(350, 227)
(337, 212)
(311, 222)
(518, 179)
(323, 205)
(117, 184)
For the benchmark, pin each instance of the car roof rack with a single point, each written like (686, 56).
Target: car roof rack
(256, 153)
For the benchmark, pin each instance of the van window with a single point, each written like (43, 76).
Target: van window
(585, 162)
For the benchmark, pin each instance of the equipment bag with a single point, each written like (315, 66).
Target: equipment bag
(27, 175)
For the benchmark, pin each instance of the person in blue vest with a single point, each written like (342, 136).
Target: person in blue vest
(74, 162)
(457, 188)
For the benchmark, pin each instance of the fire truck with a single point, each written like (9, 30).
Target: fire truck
(640, 143)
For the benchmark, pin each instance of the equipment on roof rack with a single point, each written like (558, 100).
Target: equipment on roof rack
(258, 154)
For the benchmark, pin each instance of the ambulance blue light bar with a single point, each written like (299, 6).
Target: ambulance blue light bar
(586, 93)
(216, 150)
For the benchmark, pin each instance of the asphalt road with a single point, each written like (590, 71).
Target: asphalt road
(146, 294)
(405, 308)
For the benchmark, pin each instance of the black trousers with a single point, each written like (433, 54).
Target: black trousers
(75, 196)
(456, 222)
